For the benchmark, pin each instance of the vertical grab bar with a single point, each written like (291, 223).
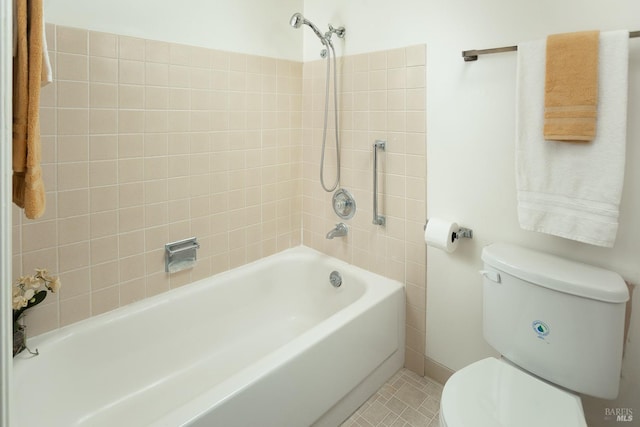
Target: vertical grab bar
(377, 219)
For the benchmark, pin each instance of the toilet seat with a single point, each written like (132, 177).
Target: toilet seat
(492, 393)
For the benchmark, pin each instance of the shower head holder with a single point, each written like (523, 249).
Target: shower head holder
(340, 31)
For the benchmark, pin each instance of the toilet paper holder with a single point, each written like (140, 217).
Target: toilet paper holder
(462, 233)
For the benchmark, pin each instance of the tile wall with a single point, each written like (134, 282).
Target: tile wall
(147, 142)
(381, 96)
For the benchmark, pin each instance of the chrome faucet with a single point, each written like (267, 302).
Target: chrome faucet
(340, 230)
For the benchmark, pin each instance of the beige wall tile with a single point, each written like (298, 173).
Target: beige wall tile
(45, 258)
(156, 98)
(103, 44)
(105, 300)
(104, 224)
(131, 145)
(75, 283)
(73, 121)
(42, 318)
(72, 148)
(72, 40)
(104, 249)
(73, 94)
(75, 309)
(133, 290)
(416, 55)
(103, 199)
(131, 48)
(132, 268)
(103, 147)
(102, 95)
(155, 191)
(131, 72)
(72, 176)
(103, 70)
(72, 203)
(131, 96)
(416, 77)
(103, 173)
(130, 170)
(72, 67)
(156, 51)
(103, 121)
(73, 257)
(130, 195)
(39, 235)
(73, 230)
(104, 275)
(131, 218)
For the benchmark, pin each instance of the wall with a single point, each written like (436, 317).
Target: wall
(382, 96)
(243, 26)
(148, 142)
(470, 124)
(470, 156)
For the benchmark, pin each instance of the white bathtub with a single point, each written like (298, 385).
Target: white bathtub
(269, 344)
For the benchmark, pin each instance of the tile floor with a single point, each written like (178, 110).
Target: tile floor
(406, 400)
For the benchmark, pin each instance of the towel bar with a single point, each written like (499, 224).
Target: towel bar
(472, 55)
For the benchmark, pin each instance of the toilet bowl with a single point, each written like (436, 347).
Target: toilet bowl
(493, 393)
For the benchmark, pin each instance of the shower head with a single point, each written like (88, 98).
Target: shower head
(297, 20)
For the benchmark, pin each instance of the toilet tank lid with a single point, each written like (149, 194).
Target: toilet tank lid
(557, 273)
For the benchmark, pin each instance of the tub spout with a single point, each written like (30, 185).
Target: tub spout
(340, 230)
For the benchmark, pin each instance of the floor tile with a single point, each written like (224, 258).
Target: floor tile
(406, 400)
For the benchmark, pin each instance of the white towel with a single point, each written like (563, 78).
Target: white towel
(565, 189)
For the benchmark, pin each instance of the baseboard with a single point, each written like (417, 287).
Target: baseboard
(436, 371)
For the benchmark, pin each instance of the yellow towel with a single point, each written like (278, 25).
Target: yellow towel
(28, 188)
(571, 86)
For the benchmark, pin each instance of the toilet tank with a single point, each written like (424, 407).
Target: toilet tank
(558, 319)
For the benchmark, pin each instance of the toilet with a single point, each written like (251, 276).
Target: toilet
(559, 327)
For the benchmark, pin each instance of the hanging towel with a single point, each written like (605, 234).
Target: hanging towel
(572, 190)
(571, 86)
(31, 68)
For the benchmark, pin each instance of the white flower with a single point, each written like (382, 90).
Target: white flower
(19, 302)
(54, 286)
(32, 282)
(28, 294)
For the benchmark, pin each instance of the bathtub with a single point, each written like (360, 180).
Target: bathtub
(272, 343)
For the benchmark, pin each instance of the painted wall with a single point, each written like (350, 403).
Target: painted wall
(470, 147)
(243, 26)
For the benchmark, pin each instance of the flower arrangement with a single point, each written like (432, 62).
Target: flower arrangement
(27, 292)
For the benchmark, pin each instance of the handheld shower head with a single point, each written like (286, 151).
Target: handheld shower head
(297, 20)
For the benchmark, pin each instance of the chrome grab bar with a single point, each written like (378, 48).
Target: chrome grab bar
(377, 219)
